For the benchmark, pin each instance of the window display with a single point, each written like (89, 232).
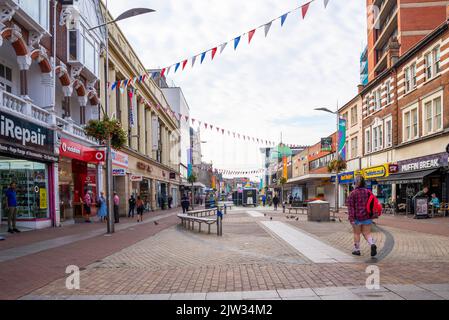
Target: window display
(32, 187)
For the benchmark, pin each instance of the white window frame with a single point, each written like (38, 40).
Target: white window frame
(388, 91)
(410, 124)
(388, 139)
(410, 77)
(432, 62)
(354, 119)
(377, 100)
(432, 100)
(354, 147)
(368, 146)
(377, 133)
(44, 12)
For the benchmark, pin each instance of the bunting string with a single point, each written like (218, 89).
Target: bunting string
(213, 51)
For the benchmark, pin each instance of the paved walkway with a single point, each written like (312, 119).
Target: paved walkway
(315, 250)
(386, 292)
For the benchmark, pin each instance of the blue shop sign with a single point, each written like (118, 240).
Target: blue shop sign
(346, 178)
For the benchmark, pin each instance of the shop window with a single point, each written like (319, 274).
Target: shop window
(6, 78)
(32, 187)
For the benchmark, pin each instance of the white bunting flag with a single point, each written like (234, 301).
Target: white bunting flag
(326, 2)
(193, 61)
(267, 28)
(222, 47)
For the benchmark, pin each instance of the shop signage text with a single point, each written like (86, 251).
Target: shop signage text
(144, 166)
(424, 163)
(376, 172)
(120, 159)
(118, 172)
(135, 178)
(345, 178)
(77, 151)
(22, 138)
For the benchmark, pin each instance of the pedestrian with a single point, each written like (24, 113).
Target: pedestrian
(170, 201)
(185, 203)
(140, 209)
(87, 203)
(359, 216)
(102, 209)
(435, 202)
(276, 202)
(132, 206)
(116, 208)
(264, 199)
(290, 199)
(11, 207)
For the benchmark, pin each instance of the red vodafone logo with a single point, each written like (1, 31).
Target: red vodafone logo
(99, 156)
(64, 147)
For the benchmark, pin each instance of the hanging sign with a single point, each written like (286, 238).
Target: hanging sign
(326, 144)
(73, 150)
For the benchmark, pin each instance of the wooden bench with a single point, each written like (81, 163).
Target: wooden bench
(302, 210)
(228, 204)
(188, 221)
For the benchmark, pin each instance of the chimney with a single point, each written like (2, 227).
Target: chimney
(360, 88)
(393, 52)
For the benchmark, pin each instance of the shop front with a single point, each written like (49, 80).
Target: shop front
(80, 170)
(415, 174)
(346, 185)
(27, 157)
(374, 177)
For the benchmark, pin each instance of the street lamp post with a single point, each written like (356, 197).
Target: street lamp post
(125, 15)
(337, 156)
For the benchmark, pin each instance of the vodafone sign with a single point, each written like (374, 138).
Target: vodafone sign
(73, 150)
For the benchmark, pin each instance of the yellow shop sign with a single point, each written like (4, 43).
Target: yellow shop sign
(376, 172)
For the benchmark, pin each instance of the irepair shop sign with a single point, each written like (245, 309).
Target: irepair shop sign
(22, 138)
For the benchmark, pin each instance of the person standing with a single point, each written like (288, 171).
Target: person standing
(170, 201)
(140, 209)
(185, 203)
(11, 207)
(102, 210)
(87, 206)
(132, 206)
(264, 199)
(359, 216)
(276, 202)
(116, 207)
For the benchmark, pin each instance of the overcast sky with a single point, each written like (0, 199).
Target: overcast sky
(262, 89)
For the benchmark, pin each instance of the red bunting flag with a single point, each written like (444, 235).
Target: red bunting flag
(304, 9)
(205, 125)
(214, 51)
(211, 126)
(184, 64)
(251, 35)
(222, 131)
(162, 73)
(193, 121)
(187, 118)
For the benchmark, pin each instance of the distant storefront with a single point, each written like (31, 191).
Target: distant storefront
(413, 174)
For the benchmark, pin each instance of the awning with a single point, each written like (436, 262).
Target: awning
(405, 178)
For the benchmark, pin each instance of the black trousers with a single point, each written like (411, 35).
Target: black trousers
(116, 214)
(131, 212)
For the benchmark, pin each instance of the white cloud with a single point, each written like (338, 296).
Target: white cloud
(264, 88)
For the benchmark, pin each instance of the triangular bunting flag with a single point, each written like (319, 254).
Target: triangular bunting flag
(177, 66)
(251, 35)
(203, 55)
(236, 42)
(222, 47)
(114, 85)
(304, 9)
(187, 118)
(168, 70)
(193, 60)
(267, 28)
(283, 18)
(326, 2)
(214, 51)
(184, 64)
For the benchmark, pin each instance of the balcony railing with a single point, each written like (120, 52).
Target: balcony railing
(74, 130)
(23, 107)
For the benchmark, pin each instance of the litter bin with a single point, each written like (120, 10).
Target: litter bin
(318, 211)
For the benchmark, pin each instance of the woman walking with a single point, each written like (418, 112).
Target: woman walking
(276, 202)
(359, 216)
(140, 209)
(102, 211)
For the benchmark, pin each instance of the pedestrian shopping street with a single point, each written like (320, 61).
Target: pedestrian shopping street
(262, 254)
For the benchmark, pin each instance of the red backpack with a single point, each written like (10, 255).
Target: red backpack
(373, 206)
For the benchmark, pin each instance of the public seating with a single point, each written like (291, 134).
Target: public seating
(189, 219)
(301, 210)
